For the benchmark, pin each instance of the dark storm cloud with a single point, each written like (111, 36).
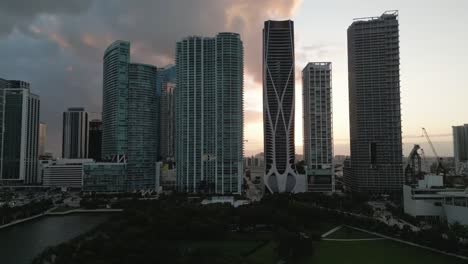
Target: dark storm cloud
(58, 45)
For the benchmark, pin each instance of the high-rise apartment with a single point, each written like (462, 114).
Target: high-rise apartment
(115, 101)
(209, 114)
(167, 86)
(75, 133)
(95, 140)
(278, 107)
(318, 126)
(129, 117)
(374, 105)
(20, 127)
(142, 137)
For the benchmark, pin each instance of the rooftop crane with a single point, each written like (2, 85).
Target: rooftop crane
(440, 167)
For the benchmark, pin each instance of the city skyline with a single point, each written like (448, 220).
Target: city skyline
(76, 53)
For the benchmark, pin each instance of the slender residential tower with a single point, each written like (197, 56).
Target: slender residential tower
(20, 138)
(278, 107)
(75, 134)
(374, 106)
(318, 126)
(142, 126)
(209, 114)
(115, 101)
(167, 85)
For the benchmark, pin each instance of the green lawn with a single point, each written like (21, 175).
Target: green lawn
(360, 252)
(378, 251)
(349, 233)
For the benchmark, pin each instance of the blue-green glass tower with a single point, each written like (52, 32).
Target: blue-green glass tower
(115, 101)
(129, 116)
(142, 126)
(209, 114)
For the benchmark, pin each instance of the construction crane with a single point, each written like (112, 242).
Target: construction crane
(440, 167)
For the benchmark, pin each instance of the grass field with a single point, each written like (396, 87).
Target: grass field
(359, 252)
(379, 251)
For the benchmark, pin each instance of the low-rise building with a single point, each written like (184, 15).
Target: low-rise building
(65, 173)
(430, 199)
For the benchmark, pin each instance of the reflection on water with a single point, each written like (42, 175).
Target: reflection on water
(21, 243)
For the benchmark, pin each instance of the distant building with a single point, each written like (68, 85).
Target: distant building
(42, 138)
(278, 107)
(167, 83)
(75, 133)
(460, 148)
(95, 140)
(19, 124)
(318, 126)
(374, 105)
(209, 111)
(64, 173)
(104, 177)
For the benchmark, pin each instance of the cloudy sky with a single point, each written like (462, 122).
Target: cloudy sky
(58, 45)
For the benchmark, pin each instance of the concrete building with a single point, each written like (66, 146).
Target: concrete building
(75, 133)
(430, 200)
(19, 140)
(318, 126)
(374, 105)
(460, 148)
(64, 173)
(42, 138)
(209, 111)
(95, 140)
(278, 107)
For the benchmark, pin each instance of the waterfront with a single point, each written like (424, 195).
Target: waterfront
(20, 243)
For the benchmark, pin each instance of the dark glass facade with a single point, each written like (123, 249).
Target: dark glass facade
(95, 140)
(374, 105)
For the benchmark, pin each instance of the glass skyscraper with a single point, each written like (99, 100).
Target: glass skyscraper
(75, 133)
(167, 85)
(278, 106)
(115, 101)
(209, 114)
(129, 116)
(142, 126)
(20, 139)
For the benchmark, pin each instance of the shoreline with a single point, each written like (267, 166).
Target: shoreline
(50, 213)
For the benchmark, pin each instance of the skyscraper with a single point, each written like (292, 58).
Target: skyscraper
(95, 140)
(318, 124)
(278, 106)
(142, 128)
(115, 101)
(20, 123)
(167, 86)
(129, 117)
(374, 105)
(460, 148)
(209, 114)
(42, 138)
(75, 133)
